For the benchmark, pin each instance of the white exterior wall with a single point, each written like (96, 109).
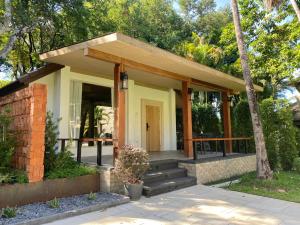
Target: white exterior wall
(58, 85)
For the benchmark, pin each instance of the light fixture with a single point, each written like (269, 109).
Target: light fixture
(124, 80)
(230, 99)
(191, 93)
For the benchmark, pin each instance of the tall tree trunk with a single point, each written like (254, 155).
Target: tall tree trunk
(296, 8)
(263, 169)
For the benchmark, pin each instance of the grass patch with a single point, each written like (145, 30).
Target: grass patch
(76, 171)
(284, 186)
(12, 176)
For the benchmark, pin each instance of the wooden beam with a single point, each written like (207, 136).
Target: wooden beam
(187, 120)
(92, 53)
(119, 111)
(209, 85)
(227, 121)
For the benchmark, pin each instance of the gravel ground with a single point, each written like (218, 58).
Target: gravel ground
(37, 210)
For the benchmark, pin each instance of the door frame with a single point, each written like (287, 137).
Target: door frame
(144, 103)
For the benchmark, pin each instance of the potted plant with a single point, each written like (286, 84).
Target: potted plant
(130, 166)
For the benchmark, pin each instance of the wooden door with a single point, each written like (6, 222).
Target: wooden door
(153, 128)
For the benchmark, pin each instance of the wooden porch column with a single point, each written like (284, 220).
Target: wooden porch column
(187, 120)
(119, 111)
(227, 121)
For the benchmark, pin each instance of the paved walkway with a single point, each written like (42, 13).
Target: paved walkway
(196, 205)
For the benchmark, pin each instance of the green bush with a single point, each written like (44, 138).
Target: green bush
(61, 164)
(242, 120)
(7, 140)
(296, 164)
(280, 133)
(92, 196)
(54, 203)
(51, 136)
(9, 212)
(205, 119)
(11, 176)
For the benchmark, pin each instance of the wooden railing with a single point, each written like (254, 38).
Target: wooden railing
(222, 142)
(99, 142)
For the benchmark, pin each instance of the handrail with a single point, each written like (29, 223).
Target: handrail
(221, 139)
(222, 143)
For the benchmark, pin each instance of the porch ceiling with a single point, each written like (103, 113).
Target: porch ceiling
(121, 47)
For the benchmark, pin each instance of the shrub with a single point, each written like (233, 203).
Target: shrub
(51, 136)
(131, 165)
(9, 212)
(7, 140)
(92, 196)
(205, 119)
(296, 164)
(242, 120)
(54, 203)
(69, 172)
(10, 176)
(280, 133)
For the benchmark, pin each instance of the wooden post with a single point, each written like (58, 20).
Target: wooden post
(91, 130)
(119, 111)
(187, 120)
(227, 121)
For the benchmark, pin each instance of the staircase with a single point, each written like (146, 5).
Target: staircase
(165, 176)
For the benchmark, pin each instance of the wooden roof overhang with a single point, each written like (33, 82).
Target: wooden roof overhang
(144, 63)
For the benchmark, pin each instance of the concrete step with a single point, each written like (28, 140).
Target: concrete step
(160, 175)
(163, 165)
(168, 185)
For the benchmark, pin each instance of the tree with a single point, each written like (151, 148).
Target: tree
(262, 163)
(276, 3)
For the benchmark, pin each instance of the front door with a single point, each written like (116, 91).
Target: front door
(153, 128)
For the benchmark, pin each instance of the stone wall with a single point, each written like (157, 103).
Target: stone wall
(28, 111)
(220, 169)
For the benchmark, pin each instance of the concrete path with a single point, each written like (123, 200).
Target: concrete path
(196, 205)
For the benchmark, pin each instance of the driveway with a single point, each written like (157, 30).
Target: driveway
(196, 205)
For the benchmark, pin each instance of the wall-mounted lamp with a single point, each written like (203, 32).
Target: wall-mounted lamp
(191, 93)
(230, 99)
(124, 80)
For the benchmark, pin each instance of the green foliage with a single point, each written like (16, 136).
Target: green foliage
(51, 135)
(284, 185)
(9, 212)
(11, 176)
(60, 164)
(92, 196)
(69, 172)
(7, 139)
(242, 120)
(280, 133)
(296, 165)
(54, 203)
(3, 83)
(205, 119)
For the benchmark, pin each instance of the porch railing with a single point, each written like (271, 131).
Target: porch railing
(99, 144)
(220, 144)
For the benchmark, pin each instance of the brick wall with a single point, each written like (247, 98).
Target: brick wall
(211, 171)
(28, 111)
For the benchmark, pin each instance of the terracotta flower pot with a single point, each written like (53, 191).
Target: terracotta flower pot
(134, 190)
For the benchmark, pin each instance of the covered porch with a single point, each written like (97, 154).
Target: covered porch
(128, 63)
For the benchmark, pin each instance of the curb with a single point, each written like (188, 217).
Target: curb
(64, 215)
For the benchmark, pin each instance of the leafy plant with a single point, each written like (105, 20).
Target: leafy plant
(51, 136)
(10, 176)
(9, 212)
(92, 196)
(7, 139)
(280, 133)
(296, 164)
(131, 164)
(78, 170)
(54, 203)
